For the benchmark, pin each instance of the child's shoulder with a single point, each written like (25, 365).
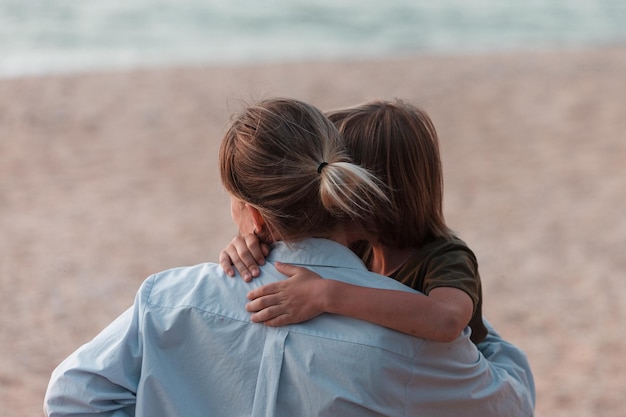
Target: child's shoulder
(449, 242)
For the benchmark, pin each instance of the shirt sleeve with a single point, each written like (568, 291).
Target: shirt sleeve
(457, 268)
(508, 357)
(102, 376)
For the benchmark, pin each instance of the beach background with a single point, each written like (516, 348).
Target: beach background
(111, 114)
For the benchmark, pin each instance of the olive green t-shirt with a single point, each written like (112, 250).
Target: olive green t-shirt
(445, 262)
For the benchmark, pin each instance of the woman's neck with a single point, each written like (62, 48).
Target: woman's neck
(386, 260)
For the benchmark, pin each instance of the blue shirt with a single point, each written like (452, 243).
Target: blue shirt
(188, 348)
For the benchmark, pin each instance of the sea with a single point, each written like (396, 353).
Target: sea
(69, 36)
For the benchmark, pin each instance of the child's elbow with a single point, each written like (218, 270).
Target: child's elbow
(447, 337)
(450, 328)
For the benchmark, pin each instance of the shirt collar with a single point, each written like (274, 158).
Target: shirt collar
(315, 252)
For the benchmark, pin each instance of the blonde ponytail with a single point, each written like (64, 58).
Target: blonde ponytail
(285, 158)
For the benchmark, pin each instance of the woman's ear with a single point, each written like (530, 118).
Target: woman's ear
(257, 218)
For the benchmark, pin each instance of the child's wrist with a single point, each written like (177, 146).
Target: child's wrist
(327, 296)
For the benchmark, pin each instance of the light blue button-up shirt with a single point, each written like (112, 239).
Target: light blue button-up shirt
(187, 348)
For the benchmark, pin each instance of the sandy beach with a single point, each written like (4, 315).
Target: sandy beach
(107, 178)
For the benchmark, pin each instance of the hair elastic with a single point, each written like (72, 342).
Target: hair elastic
(322, 165)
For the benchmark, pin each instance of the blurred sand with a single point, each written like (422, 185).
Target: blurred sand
(106, 178)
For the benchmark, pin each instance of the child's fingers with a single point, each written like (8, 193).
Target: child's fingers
(288, 269)
(226, 264)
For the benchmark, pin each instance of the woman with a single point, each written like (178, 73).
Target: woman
(187, 347)
(399, 143)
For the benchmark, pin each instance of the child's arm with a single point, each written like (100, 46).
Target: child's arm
(440, 316)
(245, 254)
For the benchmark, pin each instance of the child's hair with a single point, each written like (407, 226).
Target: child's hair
(398, 142)
(285, 158)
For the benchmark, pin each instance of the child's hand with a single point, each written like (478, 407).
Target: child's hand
(294, 300)
(245, 253)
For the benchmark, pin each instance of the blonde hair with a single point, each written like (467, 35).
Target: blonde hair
(285, 158)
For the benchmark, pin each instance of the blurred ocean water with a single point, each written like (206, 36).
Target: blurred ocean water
(52, 36)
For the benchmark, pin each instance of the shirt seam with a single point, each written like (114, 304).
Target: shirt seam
(289, 329)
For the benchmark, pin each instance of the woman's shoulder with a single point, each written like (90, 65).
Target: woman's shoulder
(183, 284)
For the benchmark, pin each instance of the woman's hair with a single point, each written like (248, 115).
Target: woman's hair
(398, 142)
(286, 159)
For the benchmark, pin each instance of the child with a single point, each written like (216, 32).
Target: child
(397, 142)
